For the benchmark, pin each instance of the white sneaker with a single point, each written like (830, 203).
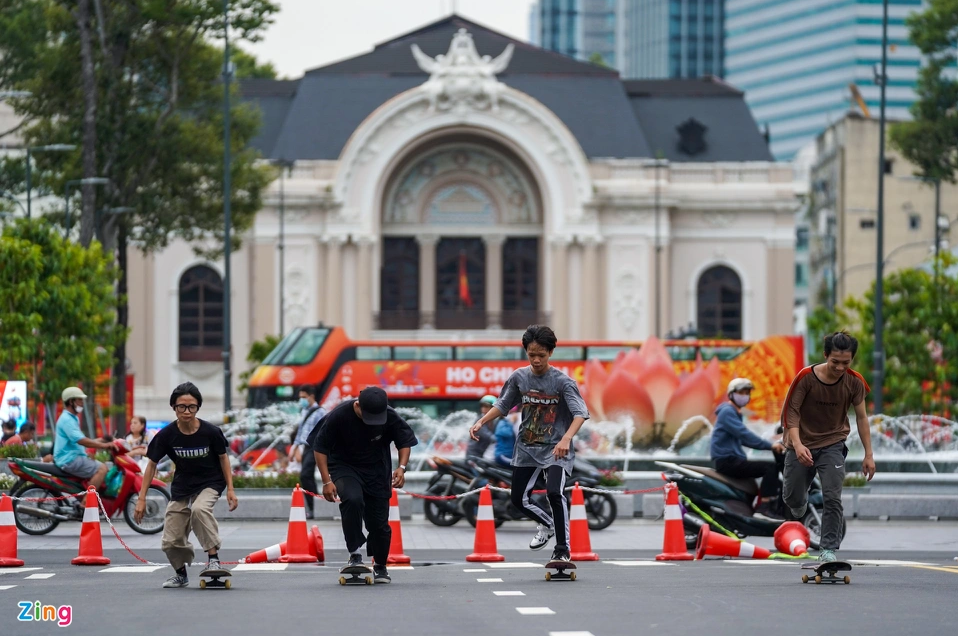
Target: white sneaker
(542, 537)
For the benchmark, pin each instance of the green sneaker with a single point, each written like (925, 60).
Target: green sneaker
(827, 556)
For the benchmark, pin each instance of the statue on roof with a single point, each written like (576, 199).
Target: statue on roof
(460, 77)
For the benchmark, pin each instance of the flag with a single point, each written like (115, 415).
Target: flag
(464, 295)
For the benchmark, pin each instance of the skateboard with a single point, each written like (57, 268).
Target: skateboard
(358, 574)
(829, 570)
(214, 577)
(559, 574)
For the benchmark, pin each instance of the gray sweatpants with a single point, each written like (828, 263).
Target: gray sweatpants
(829, 463)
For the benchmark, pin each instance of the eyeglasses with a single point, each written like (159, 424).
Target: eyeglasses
(183, 408)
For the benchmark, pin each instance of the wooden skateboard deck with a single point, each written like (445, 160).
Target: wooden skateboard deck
(560, 567)
(828, 572)
(214, 577)
(358, 574)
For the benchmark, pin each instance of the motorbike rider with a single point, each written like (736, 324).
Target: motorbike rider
(728, 438)
(69, 445)
(505, 441)
(486, 434)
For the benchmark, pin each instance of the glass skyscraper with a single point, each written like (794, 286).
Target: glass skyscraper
(577, 28)
(796, 60)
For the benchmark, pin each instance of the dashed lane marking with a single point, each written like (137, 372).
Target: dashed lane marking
(474, 570)
(489, 580)
(7, 587)
(534, 611)
(763, 562)
(518, 564)
(509, 593)
(261, 567)
(17, 570)
(931, 567)
(884, 562)
(45, 575)
(570, 633)
(135, 569)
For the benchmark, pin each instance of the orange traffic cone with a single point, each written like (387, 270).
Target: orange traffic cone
(297, 539)
(484, 548)
(673, 544)
(396, 556)
(579, 542)
(273, 553)
(792, 538)
(8, 535)
(91, 545)
(715, 544)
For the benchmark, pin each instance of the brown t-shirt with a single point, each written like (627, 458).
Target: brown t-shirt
(819, 410)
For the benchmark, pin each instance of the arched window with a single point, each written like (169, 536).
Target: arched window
(399, 287)
(201, 314)
(720, 304)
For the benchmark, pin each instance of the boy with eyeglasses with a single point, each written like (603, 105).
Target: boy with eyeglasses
(198, 451)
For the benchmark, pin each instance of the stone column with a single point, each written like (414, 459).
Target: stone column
(494, 280)
(364, 286)
(334, 280)
(427, 280)
(321, 280)
(591, 288)
(559, 266)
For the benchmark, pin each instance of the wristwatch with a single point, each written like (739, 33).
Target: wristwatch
(403, 467)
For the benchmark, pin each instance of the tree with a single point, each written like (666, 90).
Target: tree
(597, 59)
(930, 139)
(57, 309)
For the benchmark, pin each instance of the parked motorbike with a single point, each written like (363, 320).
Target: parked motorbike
(600, 508)
(44, 480)
(451, 477)
(729, 502)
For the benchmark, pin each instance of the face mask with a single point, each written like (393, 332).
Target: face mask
(303, 403)
(741, 400)
(79, 409)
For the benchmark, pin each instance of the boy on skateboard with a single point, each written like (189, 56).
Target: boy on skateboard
(351, 445)
(198, 451)
(815, 420)
(552, 412)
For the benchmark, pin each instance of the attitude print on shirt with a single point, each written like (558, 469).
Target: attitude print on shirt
(539, 410)
(192, 453)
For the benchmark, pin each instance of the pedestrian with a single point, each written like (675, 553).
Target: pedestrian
(729, 436)
(312, 414)
(486, 435)
(10, 436)
(138, 440)
(505, 441)
(552, 413)
(351, 445)
(202, 471)
(815, 420)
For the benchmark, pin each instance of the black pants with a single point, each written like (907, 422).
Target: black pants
(523, 482)
(738, 467)
(356, 508)
(307, 477)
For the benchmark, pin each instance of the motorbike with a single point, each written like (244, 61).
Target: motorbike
(729, 502)
(45, 480)
(451, 477)
(600, 508)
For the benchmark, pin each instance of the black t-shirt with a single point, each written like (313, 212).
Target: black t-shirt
(356, 449)
(196, 456)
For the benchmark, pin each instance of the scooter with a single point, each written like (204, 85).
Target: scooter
(47, 482)
(451, 477)
(600, 508)
(728, 502)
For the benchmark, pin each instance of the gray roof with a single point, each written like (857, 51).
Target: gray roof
(313, 117)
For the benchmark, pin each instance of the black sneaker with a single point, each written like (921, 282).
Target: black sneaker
(177, 580)
(766, 513)
(355, 559)
(380, 574)
(561, 554)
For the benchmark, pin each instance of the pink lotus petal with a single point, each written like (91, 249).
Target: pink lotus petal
(695, 396)
(624, 397)
(653, 349)
(630, 363)
(593, 385)
(659, 380)
(714, 373)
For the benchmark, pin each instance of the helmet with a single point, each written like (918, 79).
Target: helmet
(488, 399)
(72, 393)
(738, 384)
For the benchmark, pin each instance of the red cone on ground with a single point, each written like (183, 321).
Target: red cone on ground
(484, 548)
(8, 535)
(297, 539)
(792, 538)
(273, 553)
(91, 544)
(396, 556)
(673, 543)
(579, 543)
(717, 544)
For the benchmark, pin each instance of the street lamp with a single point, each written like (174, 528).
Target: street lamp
(284, 165)
(227, 217)
(879, 353)
(47, 148)
(82, 182)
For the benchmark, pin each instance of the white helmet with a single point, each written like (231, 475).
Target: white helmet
(738, 384)
(72, 393)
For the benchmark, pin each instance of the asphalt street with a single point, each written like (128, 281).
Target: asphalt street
(905, 581)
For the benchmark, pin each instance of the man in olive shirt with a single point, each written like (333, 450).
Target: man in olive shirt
(815, 419)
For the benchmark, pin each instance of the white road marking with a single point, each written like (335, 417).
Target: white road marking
(639, 563)
(884, 562)
(261, 567)
(474, 570)
(767, 562)
(519, 564)
(17, 570)
(45, 575)
(534, 611)
(570, 633)
(135, 569)
(489, 580)
(7, 587)
(509, 593)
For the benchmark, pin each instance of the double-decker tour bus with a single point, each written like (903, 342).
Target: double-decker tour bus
(444, 375)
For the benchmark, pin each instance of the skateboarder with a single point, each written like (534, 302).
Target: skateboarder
(351, 445)
(552, 413)
(815, 419)
(202, 472)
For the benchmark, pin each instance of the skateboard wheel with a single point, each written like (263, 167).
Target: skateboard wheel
(548, 576)
(804, 578)
(228, 584)
(369, 580)
(202, 584)
(572, 576)
(818, 578)
(848, 579)
(342, 580)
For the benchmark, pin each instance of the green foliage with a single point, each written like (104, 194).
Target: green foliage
(247, 67)
(611, 478)
(7, 482)
(930, 139)
(258, 351)
(57, 309)
(26, 451)
(856, 480)
(597, 59)
(252, 480)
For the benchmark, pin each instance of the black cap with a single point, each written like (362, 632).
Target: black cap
(373, 403)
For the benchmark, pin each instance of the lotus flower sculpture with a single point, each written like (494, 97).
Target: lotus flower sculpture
(642, 385)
